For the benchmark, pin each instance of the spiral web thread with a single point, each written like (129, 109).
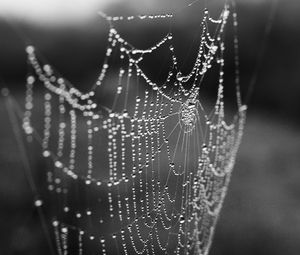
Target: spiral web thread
(148, 173)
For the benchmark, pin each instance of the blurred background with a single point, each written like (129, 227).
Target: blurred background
(261, 214)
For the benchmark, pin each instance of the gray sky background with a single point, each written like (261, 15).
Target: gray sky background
(57, 12)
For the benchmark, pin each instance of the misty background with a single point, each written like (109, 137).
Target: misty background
(261, 214)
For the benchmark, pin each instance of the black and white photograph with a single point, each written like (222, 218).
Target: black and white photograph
(148, 127)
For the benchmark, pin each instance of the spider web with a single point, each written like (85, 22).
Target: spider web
(147, 172)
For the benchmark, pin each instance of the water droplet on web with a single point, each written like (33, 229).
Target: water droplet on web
(38, 202)
(29, 49)
(46, 153)
(182, 219)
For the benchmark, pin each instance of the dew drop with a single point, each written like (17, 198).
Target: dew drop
(38, 203)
